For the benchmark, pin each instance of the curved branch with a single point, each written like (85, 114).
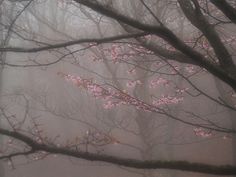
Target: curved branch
(226, 8)
(168, 54)
(70, 43)
(133, 163)
(197, 19)
(168, 36)
(17, 154)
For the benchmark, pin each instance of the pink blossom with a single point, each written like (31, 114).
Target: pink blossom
(114, 97)
(181, 91)
(108, 105)
(158, 81)
(131, 71)
(166, 100)
(202, 133)
(190, 69)
(132, 84)
(95, 90)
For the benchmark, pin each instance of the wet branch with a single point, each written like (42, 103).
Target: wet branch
(70, 43)
(132, 163)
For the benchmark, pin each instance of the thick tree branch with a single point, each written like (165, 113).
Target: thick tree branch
(195, 16)
(169, 55)
(139, 164)
(167, 35)
(160, 51)
(70, 43)
(226, 8)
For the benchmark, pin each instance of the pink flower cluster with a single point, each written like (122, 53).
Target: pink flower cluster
(181, 90)
(190, 69)
(158, 81)
(113, 97)
(202, 133)
(166, 100)
(131, 71)
(132, 84)
(114, 53)
(109, 104)
(97, 138)
(140, 50)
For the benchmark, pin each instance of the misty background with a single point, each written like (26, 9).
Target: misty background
(38, 95)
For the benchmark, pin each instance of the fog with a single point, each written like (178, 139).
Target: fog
(142, 88)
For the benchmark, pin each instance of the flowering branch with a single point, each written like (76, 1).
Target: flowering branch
(117, 97)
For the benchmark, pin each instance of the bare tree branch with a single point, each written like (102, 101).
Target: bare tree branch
(195, 16)
(226, 8)
(74, 42)
(138, 164)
